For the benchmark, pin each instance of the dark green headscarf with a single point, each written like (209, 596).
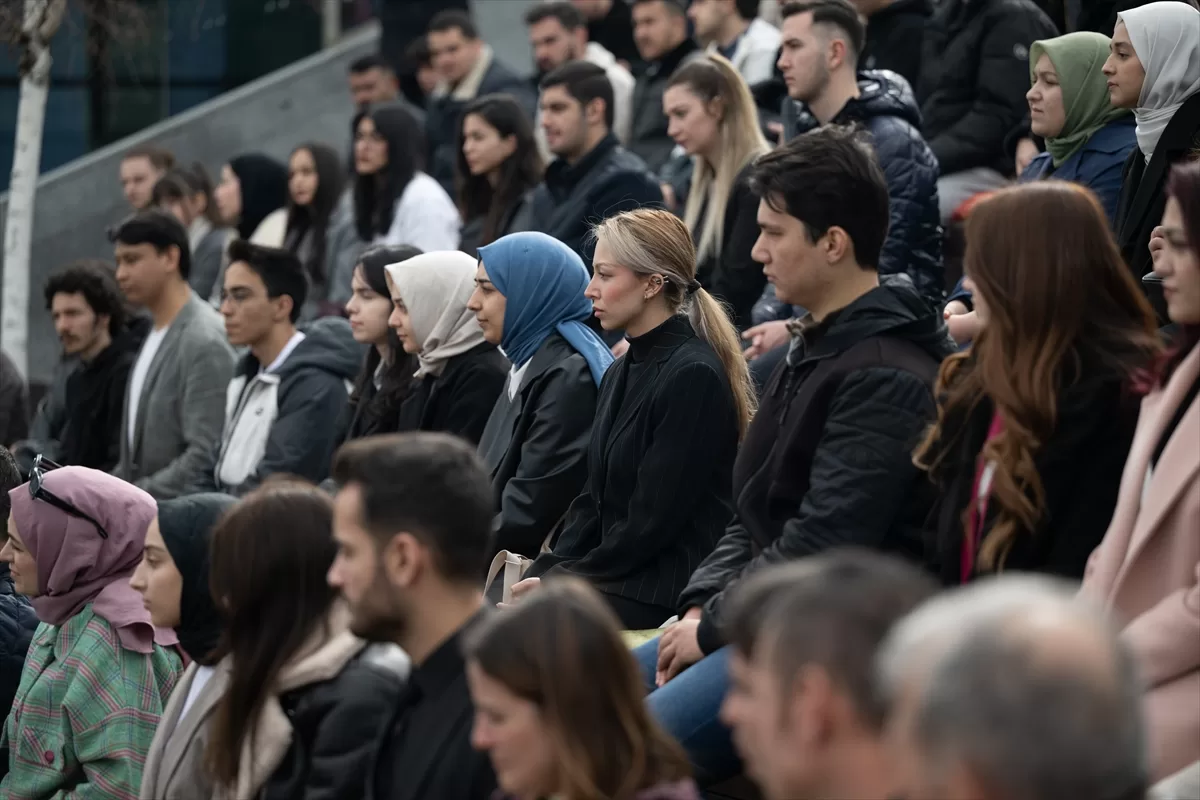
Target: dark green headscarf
(1078, 58)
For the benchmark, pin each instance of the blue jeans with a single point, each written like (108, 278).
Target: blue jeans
(688, 707)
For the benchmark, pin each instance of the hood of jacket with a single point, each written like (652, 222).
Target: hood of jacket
(882, 93)
(328, 346)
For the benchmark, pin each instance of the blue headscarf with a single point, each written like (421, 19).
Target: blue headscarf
(543, 282)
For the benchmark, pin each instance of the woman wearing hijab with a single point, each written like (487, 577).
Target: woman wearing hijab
(98, 673)
(252, 196)
(1154, 68)
(173, 581)
(529, 300)
(459, 373)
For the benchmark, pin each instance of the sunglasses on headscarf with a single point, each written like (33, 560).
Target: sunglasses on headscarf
(37, 490)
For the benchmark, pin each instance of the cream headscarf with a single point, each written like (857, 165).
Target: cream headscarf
(1166, 38)
(435, 288)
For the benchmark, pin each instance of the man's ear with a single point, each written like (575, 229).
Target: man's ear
(403, 559)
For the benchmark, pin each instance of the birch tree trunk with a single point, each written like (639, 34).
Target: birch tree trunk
(41, 21)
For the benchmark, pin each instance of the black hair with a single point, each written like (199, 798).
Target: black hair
(96, 281)
(564, 11)
(676, 6)
(279, 269)
(747, 9)
(825, 178)
(160, 230)
(519, 173)
(264, 189)
(444, 499)
(368, 63)
(453, 18)
(180, 184)
(585, 82)
(159, 157)
(314, 217)
(417, 54)
(375, 195)
(10, 478)
(840, 14)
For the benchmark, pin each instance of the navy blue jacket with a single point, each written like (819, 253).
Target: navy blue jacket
(17, 623)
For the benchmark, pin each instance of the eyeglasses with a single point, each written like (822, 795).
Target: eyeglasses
(42, 465)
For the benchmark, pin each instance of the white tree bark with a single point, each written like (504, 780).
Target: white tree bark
(41, 21)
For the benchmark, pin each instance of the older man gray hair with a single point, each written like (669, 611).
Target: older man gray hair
(1012, 689)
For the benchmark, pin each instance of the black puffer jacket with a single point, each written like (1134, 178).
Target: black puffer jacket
(827, 461)
(974, 77)
(888, 111)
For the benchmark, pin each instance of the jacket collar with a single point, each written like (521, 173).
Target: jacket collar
(562, 175)
(468, 87)
(667, 64)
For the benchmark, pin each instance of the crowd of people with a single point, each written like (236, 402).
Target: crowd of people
(803, 406)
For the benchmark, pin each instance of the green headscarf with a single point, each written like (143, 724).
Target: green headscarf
(1078, 58)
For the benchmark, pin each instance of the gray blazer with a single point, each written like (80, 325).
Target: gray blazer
(184, 397)
(175, 762)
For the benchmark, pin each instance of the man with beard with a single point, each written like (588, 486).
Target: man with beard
(411, 557)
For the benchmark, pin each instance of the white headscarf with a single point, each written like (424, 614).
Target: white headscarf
(435, 288)
(1166, 38)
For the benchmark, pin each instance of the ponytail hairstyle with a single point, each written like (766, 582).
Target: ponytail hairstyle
(715, 81)
(656, 242)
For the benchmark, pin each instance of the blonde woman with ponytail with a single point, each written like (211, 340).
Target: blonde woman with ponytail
(669, 417)
(711, 115)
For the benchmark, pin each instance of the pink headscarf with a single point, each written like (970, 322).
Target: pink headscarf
(75, 565)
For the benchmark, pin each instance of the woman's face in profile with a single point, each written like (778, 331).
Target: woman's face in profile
(511, 730)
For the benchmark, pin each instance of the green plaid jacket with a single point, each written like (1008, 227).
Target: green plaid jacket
(84, 714)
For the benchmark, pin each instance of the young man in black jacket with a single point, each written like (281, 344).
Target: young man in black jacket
(827, 461)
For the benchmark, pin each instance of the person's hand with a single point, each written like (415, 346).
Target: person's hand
(668, 193)
(1027, 151)
(764, 337)
(954, 308)
(620, 347)
(1158, 243)
(776, 130)
(678, 649)
(527, 586)
(964, 327)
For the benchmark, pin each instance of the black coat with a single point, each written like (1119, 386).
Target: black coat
(828, 458)
(660, 466)
(1080, 467)
(974, 77)
(336, 726)
(732, 275)
(17, 624)
(649, 139)
(514, 219)
(461, 399)
(894, 35)
(1143, 198)
(605, 182)
(536, 444)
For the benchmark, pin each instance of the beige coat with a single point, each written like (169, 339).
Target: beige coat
(1146, 572)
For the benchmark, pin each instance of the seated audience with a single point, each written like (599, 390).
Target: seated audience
(529, 300)
(289, 391)
(804, 637)
(712, 117)
(468, 68)
(592, 176)
(1036, 419)
(1154, 69)
(610, 23)
(98, 673)
(560, 708)
(395, 203)
(320, 228)
(140, 169)
(252, 198)
(498, 168)
(1146, 571)
(373, 82)
(14, 403)
(422, 79)
(895, 30)
(386, 375)
(187, 195)
(732, 28)
(286, 703)
(176, 396)
(17, 618)
(410, 554)
(827, 459)
(459, 373)
(668, 422)
(1010, 690)
(974, 68)
(558, 34)
(660, 30)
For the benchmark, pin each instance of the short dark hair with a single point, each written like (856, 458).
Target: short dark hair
(158, 229)
(368, 63)
(417, 55)
(564, 11)
(453, 18)
(160, 157)
(431, 485)
(833, 609)
(585, 82)
(10, 478)
(838, 13)
(280, 270)
(677, 6)
(825, 178)
(747, 9)
(97, 283)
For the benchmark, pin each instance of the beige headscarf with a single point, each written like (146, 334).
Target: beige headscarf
(435, 288)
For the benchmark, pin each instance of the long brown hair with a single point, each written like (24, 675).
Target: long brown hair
(562, 650)
(1061, 305)
(270, 556)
